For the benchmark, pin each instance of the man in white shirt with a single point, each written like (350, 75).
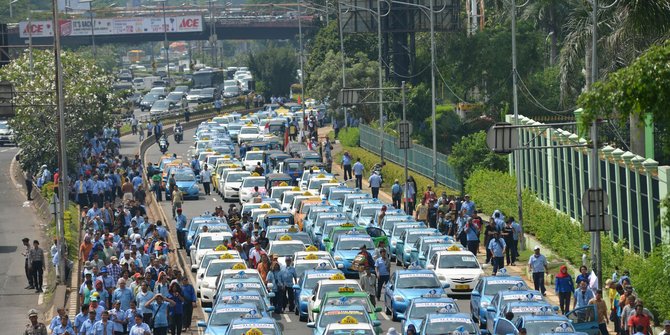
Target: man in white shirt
(206, 179)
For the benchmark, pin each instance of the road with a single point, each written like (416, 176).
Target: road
(18, 221)
(290, 322)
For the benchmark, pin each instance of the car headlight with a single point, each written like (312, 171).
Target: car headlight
(393, 243)
(398, 298)
(194, 187)
(442, 278)
(338, 258)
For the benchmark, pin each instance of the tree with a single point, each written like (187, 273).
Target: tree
(276, 67)
(639, 89)
(471, 153)
(88, 105)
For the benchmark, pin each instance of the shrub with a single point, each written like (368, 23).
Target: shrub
(493, 190)
(349, 137)
(71, 231)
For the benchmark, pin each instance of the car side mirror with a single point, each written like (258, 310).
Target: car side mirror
(490, 309)
(311, 325)
(207, 310)
(316, 310)
(296, 287)
(378, 309)
(202, 324)
(422, 258)
(430, 267)
(475, 293)
(271, 295)
(415, 250)
(446, 285)
(401, 316)
(376, 323)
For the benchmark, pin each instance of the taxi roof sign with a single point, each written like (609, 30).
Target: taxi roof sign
(293, 229)
(345, 289)
(221, 247)
(454, 248)
(283, 183)
(240, 275)
(295, 188)
(252, 314)
(431, 294)
(349, 320)
(239, 266)
(563, 328)
(337, 276)
(460, 331)
(347, 225)
(544, 310)
(447, 309)
(502, 273)
(312, 248)
(255, 174)
(311, 257)
(323, 266)
(286, 238)
(265, 206)
(518, 286)
(226, 256)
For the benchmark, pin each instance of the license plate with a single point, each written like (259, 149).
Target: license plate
(462, 287)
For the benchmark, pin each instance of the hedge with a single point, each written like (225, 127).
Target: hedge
(349, 137)
(493, 190)
(71, 231)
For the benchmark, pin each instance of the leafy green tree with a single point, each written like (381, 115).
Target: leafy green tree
(639, 89)
(471, 153)
(276, 67)
(88, 105)
(107, 56)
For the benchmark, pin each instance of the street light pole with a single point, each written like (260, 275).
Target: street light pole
(302, 71)
(381, 80)
(594, 166)
(62, 161)
(515, 102)
(344, 77)
(166, 45)
(432, 91)
(90, 10)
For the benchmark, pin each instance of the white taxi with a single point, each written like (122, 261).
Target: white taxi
(248, 133)
(460, 269)
(207, 284)
(252, 158)
(231, 184)
(285, 246)
(336, 283)
(246, 192)
(205, 242)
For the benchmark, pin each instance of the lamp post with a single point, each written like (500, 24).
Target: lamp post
(302, 70)
(344, 77)
(213, 39)
(11, 11)
(90, 12)
(165, 42)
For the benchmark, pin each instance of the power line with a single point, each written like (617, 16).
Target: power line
(537, 103)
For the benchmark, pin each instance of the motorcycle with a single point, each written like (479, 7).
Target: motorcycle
(163, 145)
(178, 134)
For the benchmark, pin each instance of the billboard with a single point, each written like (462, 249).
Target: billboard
(113, 26)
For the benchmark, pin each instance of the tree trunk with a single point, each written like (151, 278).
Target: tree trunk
(637, 140)
(553, 54)
(587, 68)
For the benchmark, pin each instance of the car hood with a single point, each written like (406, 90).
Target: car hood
(416, 292)
(347, 254)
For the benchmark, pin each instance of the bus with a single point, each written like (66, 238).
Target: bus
(135, 56)
(209, 78)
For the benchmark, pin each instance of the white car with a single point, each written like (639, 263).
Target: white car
(335, 284)
(247, 187)
(208, 257)
(207, 284)
(459, 269)
(285, 247)
(252, 158)
(231, 184)
(248, 134)
(205, 242)
(345, 326)
(309, 260)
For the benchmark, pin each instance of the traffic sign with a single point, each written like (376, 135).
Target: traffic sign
(596, 218)
(404, 132)
(347, 98)
(502, 138)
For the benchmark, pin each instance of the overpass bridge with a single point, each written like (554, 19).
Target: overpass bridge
(146, 25)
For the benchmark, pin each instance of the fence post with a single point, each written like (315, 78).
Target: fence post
(607, 153)
(637, 168)
(663, 192)
(551, 174)
(616, 156)
(650, 167)
(627, 157)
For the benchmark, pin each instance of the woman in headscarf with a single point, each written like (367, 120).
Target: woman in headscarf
(264, 267)
(162, 286)
(564, 287)
(176, 311)
(103, 296)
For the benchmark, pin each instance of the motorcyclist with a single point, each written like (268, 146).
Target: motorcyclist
(178, 132)
(163, 143)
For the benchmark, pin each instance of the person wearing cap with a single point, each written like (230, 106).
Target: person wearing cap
(102, 294)
(666, 328)
(585, 250)
(95, 306)
(469, 206)
(26, 266)
(159, 306)
(64, 327)
(36, 261)
(392, 331)
(114, 268)
(537, 265)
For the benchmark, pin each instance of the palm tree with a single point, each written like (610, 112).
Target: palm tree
(548, 15)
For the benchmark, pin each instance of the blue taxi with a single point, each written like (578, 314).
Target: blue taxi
(420, 307)
(486, 288)
(253, 324)
(409, 284)
(345, 249)
(336, 195)
(304, 290)
(448, 321)
(247, 282)
(314, 226)
(186, 182)
(404, 245)
(397, 230)
(503, 298)
(247, 296)
(421, 246)
(334, 313)
(223, 314)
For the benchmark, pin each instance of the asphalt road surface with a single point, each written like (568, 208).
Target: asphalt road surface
(290, 322)
(17, 220)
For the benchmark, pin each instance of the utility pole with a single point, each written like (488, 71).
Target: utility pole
(432, 91)
(381, 80)
(344, 76)
(62, 147)
(594, 166)
(515, 101)
(404, 119)
(302, 70)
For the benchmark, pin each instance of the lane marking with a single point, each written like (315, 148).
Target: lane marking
(286, 317)
(40, 299)
(4, 150)
(214, 199)
(383, 314)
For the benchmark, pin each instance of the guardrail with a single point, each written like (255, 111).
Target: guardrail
(176, 112)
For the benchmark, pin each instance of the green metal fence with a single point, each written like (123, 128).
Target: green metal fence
(635, 186)
(419, 158)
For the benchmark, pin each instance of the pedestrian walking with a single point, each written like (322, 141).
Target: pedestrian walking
(410, 196)
(64, 328)
(176, 310)
(497, 246)
(289, 277)
(29, 185)
(375, 183)
(601, 310)
(274, 277)
(582, 295)
(159, 305)
(177, 200)
(537, 265)
(369, 284)
(666, 328)
(346, 165)
(26, 266)
(472, 230)
(189, 302)
(564, 287)
(396, 194)
(36, 258)
(358, 170)
(34, 327)
(206, 179)
(382, 270)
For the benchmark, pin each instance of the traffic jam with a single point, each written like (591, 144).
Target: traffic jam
(277, 243)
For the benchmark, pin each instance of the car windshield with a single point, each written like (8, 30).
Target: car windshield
(249, 131)
(209, 91)
(236, 177)
(399, 230)
(421, 309)
(4, 126)
(300, 269)
(294, 166)
(411, 238)
(368, 211)
(443, 326)
(354, 244)
(494, 286)
(458, 262)
(223, 316)
(337, 195)
(208, 258)
(354, 301)
(234, 126)
(334, 288)
(207, 242)
(213, 269)
(249, 182)
(288, 197)
(174, 96)
(543, 326)
(350, 332)
(184, 176)
(256, 156)
(329, 317)
(195, 92)
(417, 280)
(286, 249)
